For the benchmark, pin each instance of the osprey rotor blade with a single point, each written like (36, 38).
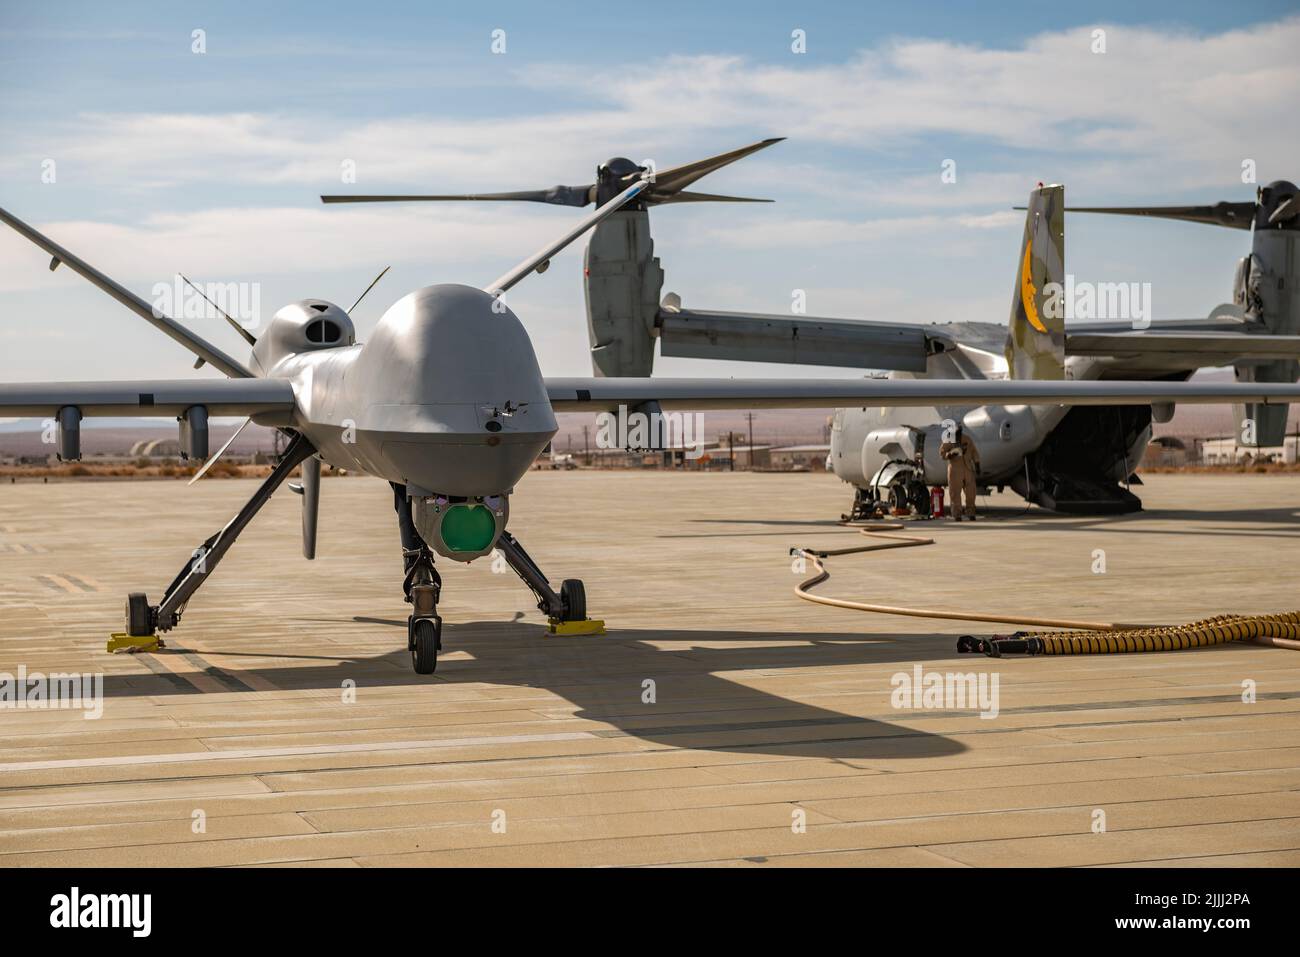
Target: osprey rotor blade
(556, 196)
(1231, 215)
(613, 176)
(673, 180)
(691, 197)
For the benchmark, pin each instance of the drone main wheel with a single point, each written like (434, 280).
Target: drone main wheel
(138, 624)
(574, 597)
(425, 639)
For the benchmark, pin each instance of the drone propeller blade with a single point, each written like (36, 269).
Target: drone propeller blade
(556, 196)
(675, 179)
(688, 197)
(310, 505)
(374, 282)
(220, 452)
(1232, 215)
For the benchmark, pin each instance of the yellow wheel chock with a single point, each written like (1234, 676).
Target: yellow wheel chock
(121, 641)
(588, 626)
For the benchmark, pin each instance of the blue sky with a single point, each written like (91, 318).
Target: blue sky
(210, 163)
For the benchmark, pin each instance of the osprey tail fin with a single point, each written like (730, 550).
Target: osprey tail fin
(1036, 335)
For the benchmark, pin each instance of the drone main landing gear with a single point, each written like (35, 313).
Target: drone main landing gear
(423, 625)
(566, 611)
(144, 620)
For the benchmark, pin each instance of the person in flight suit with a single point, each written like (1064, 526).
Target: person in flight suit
(963, 460)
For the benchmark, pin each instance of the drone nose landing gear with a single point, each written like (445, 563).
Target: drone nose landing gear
(423, 626)
(566, 611)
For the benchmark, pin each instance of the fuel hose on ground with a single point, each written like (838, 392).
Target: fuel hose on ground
(1281, 630)
(1076, 637)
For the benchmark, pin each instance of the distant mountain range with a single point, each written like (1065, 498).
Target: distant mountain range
(115, 436)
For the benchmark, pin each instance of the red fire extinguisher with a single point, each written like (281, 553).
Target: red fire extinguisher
(936, 502)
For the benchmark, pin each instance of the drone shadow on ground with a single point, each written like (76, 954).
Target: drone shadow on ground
(702, 707)
(604, 678)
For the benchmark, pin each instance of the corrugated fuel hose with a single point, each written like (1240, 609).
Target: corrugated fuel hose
(1081, 638)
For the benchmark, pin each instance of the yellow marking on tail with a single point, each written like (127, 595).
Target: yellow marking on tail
(1027, 290)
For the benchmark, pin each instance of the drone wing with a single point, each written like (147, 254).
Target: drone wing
(196, 344)
(272, 398)
(597, 395)
(538, 261)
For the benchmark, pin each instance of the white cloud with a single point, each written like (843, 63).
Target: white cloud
(1180, 109)
(147, 150)
(817, 233)
(243, 243)
(1191, 100)
(233, 195)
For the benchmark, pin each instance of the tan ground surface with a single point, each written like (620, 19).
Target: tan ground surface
(525, 749)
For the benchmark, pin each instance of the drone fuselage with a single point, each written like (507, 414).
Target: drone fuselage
(446, 397)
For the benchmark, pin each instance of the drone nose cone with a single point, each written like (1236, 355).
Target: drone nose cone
(448, 340)
(453, 399)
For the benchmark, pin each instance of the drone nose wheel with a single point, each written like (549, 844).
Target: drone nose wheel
(426, 639)
(424, 627)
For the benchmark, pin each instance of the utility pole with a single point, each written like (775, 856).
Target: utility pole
(586, 449)
(731, 450)
(750, 417)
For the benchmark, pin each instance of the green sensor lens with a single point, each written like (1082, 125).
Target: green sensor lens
(468, 528)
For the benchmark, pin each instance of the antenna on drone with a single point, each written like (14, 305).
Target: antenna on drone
(244, 333)
(372, 285)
